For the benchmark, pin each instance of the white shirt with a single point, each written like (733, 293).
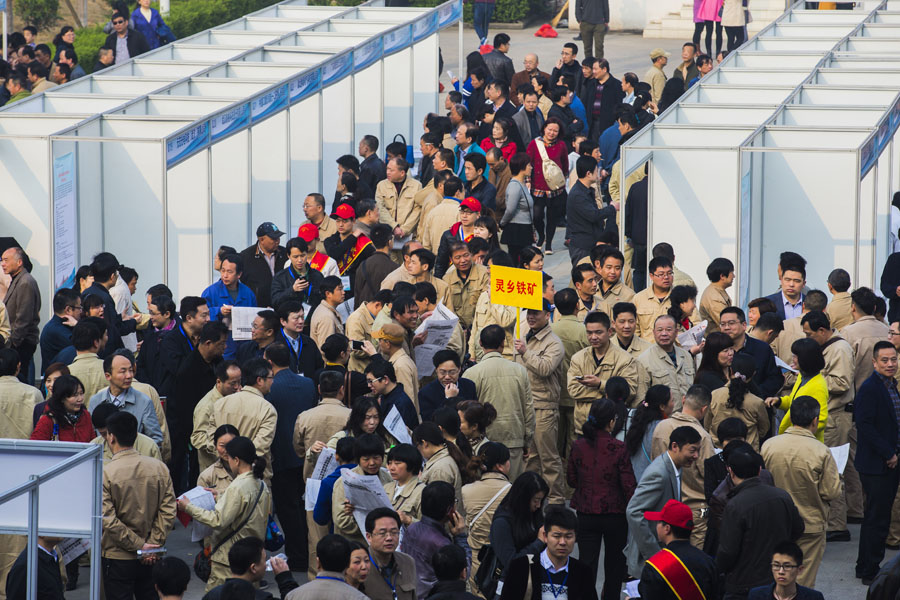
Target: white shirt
(548, 564)
(677, 472)
(792, 310)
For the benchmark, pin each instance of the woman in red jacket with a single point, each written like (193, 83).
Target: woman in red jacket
(552, 194)
(65, 418)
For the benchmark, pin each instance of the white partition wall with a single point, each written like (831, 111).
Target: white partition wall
(787, 145)
(191, 146)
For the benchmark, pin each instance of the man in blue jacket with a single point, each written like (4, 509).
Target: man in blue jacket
(57, 333)
(877, 409)
(227, 293)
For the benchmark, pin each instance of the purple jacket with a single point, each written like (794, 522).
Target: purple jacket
(421, 540)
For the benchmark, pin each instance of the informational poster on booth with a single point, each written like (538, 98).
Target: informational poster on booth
(65, 220)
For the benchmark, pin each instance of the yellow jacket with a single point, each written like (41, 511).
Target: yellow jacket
(815, 387)
(17, 402)
(202, 435)
(753, 413)
(253, 416)
(438, 220)
(543, 359)
(838, 310)
(505, 384)
(649, 308)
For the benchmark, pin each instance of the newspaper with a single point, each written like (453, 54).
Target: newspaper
(439, 327)
(841, 454)
(312, 493)
(325, 464)
(365, 493)
(242, 322)
(693, 336)
(631, 589)
(395, 425)
(398, 245)
(204, 499)
(346, 308)
(71, 548)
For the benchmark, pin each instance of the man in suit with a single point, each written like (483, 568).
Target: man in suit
(529, 120)
(660, 483)
(876, 406)
(789, 299)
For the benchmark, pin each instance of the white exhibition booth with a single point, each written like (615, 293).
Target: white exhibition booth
(788, 145)
(163, 158)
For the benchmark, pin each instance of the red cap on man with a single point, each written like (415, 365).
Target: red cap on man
(308, 232)
(472, 204)
(673, 513)
(344, 212)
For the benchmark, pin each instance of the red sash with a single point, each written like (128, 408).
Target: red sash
(318, 261)
(345, 263)
(676, 575)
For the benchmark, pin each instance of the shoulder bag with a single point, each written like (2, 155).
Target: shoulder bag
(553, 175)
(203, 560)
(487, 578)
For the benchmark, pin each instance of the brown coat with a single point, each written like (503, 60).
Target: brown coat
(505, 384)
(574, 338)
(409, 500)
(407, 374)
(543, 359)
(253, 416)
(475, 496)
(318, 425)
(202, 435)
(436, 221)
(838, 310)
(487, 313)
(138, 504)
(615, 363)
(17, 402)
(617, 293)
(325, 322)
(838, 374)
(359, 328)
(862, 336)
(23, 303)
(804, 467)
(499, 177)
(465, 294)
(150, 391)
(692, 492)
(712, 302)
(399, 210)
(88, 368)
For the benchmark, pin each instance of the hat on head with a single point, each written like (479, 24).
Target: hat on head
(673, 513)
(345, 212)
(308, 232)
(658, 52)
(472, 204)
(391, 332)
(268, 228)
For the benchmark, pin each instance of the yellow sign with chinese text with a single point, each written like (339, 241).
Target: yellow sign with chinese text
(517, 287)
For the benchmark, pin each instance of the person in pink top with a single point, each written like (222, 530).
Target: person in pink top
(706, 14)
(551, 196)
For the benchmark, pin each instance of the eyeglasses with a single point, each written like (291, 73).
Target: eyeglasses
(383, 533)
(780, 567)
(373, 380)
(450, 373)
(118, 21)
(890, 333)
(664, 274)
(76, 307)
(728, 323)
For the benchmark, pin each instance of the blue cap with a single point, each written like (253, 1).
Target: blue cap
(268, 228)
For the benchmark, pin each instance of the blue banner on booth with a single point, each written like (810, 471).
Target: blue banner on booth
(304, 85)
(425, 26)
(269, 103)
(449, 13)
(229, 122)
(366, 54)
(338, 68)
(187, 143)
(397, 39)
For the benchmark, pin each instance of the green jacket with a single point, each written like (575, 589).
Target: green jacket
(19, 96)
(572, 333)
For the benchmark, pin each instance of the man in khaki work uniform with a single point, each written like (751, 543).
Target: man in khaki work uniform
(542, 355)
(488, 313)
(359, 328)
(138, 512)
(17, 402)
(89, 339)
(720, 273)
(312, 430)
(592, 367)
(838, 373)
(838, 310)
(571, 332)
(390, 340)
(608, 265)
(228, 381)
(666, 363)
(450, 191)
(804, 467)
(314, 209)
(395, 197)
(584, 280)
(505, 385)
(418, 266)
(653, 301)
(696, 403)
(466, 280)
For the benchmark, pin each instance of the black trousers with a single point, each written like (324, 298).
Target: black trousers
(127, 579)
(184, 467)
(735, 37)
(708, 26)
(880, 491)
(287, 492)
(555, 208)
(612, 529)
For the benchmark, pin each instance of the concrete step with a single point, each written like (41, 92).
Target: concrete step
(680, 24)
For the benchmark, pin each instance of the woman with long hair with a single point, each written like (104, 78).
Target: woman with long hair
(519, 517)
(715, 365)
(365, 417)
(357, 571)
(246, 504)
(474, 419)
(65, 418)
(218, 476)
(600, 472)
(531, 258)
(618, 390)
(548, 196)
(487, 229)
(518, 219)
(739, 400)
(809, 361)
(448, 420)
(64, 40)
(657, 405)
(672, 91)
(500, 139)
(83, 279)
(489, 470)
(53, 372)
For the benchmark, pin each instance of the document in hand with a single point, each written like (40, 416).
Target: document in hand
(202, 498)
(242, 321)
(365, 493)
(396, 426)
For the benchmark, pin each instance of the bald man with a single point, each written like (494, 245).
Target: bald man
(524, 77)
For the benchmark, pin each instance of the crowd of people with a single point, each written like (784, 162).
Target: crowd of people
(702, 466)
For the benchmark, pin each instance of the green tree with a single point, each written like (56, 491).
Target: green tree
(43, 14)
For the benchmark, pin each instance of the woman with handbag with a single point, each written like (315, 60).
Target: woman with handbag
(481, 498)
(518, 219)
(242, 511)
(550, 158)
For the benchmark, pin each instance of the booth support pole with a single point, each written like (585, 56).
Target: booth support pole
(459, 65)
(96, 526)
(32, 566)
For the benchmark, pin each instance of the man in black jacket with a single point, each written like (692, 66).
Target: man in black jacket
(756, 518)
(449, 564)
(124, 42)
(636, 230)
(498, 63)
(663, 574)
(553, 568)
(374, 269)
(105, 269)
(768, 377)
(586, 221)
(262, 260)
(372, 169)
(601, 95)
(49, 579)
(298, 281)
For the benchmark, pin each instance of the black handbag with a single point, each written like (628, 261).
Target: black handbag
(203, 560)
(487, 577)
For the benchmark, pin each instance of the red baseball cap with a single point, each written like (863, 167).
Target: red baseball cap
(308, 232)
(472, 204)
(345, 212)
(673, 513)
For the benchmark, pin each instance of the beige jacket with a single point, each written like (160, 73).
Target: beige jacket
(635, 348)
(5, 329)
(138, 504)
(88, 368)
(626, 272)
(401, 274)
(325, 322)
(399, 210)
(359, 328)
(582, 310)
(614, 184)
(543, 359)
(254, 417)
(437, 221)
(793, 331)
(465, 294)
(143, 445)
(317, 425)
(649, 308)
(838, 310)
(166, 446)
(659, 369)
(442, 467)
(202, 435)
(574, 338)
(486, 314)
(407, 374)
(215, 477)
(682, 278)
(232, 507)
(427, 198)
(804, 467)
(862, 336)
(712, 302)
(657, 80)
(17, 402)
(409, 500)
(838, 373)
(345, 524)
(505, 384)
(475, 496)
(753, 413)
(615, 363)
(692, 492)
(617, 293)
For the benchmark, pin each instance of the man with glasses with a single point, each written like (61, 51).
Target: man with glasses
(768, 377)
(262, 334)
(57, 333)
(125, 43)
(448, 389)
(382, 380)
(653, 301)
(787, 565)
(395, 572)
